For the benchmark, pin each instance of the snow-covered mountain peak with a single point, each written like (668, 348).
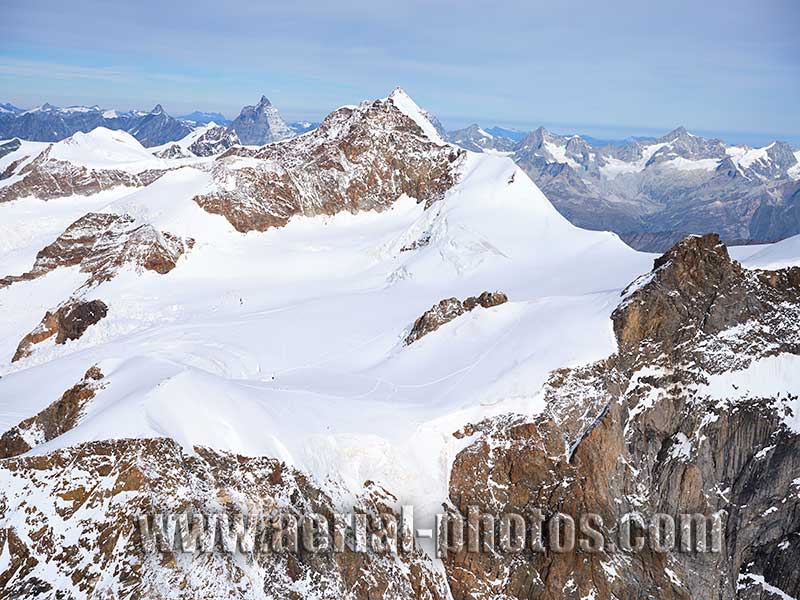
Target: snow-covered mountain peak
(46, 107)
(270, 290)
(678, 132)
(100, 148)
(411, 109)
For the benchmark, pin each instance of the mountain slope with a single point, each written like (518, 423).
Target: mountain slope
(268, 363)
(655, 193)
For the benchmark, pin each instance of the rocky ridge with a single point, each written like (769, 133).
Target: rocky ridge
(350, 163)
(654, 193)
(214, 141)
(100, 245)
(447, 310)
(46, 178)
(640, 431)
(58, 418)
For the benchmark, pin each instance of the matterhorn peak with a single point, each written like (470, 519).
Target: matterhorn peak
(260, 124)
(157, 110)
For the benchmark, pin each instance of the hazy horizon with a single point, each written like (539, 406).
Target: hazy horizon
(728, 69)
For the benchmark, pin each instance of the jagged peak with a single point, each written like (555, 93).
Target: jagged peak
(264, 101)
(693, 250)
(157, 110)
(399, 92)
(535, 137)
(405, 104)
(678, 132)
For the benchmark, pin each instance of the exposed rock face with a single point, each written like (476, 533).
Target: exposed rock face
(260, 124)
(68, 322)
(47, 178)
(173, 151)
(102, 243)
(655, 192)
(58, 418)
(157, 127)
(448, 309)
(641, 431)
(214, 141)
(475, 139)
(359, 159)
(694, 293)
(9, 147)
(773, 222)
(78, 513)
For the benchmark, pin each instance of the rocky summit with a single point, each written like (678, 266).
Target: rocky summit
(652, 433)
(260, 124)
(213, 346)
(654, 192)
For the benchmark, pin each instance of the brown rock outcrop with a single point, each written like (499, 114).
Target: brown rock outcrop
(101, 243)
(447, 310)
(48, 178)
(61, 416)
(69, 322)
(81, 506)
(361, 158)
(637, 433)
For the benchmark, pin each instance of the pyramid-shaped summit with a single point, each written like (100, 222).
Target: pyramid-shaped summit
(261, 124)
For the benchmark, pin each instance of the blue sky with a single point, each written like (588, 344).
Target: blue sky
(612, 68)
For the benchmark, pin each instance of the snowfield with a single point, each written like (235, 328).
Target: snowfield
(289, 343)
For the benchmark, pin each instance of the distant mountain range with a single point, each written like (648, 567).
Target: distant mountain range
(48, 123)
(201, 346)
(256, 125)
(204, 118)
(653, 192)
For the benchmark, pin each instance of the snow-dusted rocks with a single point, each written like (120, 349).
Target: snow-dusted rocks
(448, 309)
(102, 243)
(172, 151)
(58, 418)
(476, 139)
(71, 528)
(361, 158)
(68, 322)
(83, 164)
(655, 192)
(672, 423)
(214, 140)
(267, 366)
(260, 124)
